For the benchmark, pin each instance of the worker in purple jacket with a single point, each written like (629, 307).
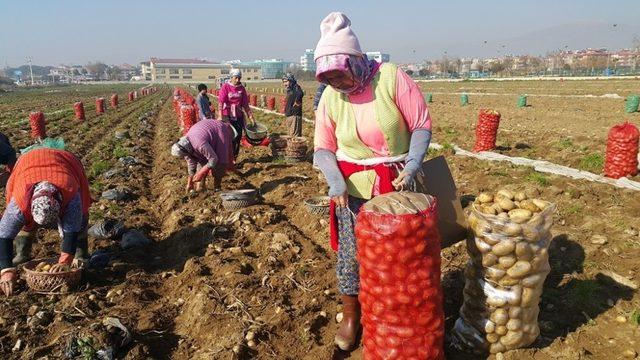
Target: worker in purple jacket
(207, 148)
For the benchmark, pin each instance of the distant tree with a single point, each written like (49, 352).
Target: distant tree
(114, 72)
(423, 72)
(409, 72)
(496, 67)
(97, 69)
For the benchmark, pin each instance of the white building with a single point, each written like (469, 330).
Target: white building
(306, 61)
(378, 56)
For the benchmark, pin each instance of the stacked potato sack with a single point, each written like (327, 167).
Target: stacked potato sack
(486, 130)
(38, 127)
(114, 101)
(100, 106)
(78, 109)
(504, 277)
(398, 246)
(622, 151)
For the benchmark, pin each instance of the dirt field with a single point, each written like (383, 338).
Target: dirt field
(212, 277)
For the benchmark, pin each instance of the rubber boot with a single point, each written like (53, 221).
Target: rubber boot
(350, 326)
(23, 245)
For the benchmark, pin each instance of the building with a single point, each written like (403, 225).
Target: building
(271, 68)
(378, 56)
(307, 63)
(195, 70)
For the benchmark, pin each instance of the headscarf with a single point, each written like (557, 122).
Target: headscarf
(45, 204)
(291, 79)
(357, 67)
(182, 148)
(235, 73)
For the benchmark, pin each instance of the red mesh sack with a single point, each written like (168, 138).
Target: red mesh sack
(283, 104)
(187, 118)
(114, 101)
(271, 103)
(130, 95)
(100, 106)
(38, 128)
(399, 254)
(487, 130)
(78, 109)
(253, 100)
(622, 151)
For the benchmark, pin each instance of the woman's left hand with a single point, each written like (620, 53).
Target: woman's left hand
(403, 181)
(202, 174)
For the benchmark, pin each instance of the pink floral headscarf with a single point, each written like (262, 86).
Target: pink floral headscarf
(359, 68)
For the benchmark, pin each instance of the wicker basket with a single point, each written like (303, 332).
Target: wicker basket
(318, 205)
(238, 199)
(50, 283)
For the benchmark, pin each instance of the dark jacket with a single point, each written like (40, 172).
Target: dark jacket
(294, 96)
(7, 153)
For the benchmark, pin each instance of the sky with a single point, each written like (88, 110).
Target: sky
(76, 32)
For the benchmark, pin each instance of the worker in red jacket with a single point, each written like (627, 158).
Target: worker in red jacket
(47, 187)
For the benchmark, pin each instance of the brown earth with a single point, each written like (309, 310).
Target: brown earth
(213, 276)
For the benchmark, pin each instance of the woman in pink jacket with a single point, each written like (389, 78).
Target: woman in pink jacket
(233, 100)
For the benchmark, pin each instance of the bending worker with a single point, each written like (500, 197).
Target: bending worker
(47, 187)
(372, 131)
(206, 148)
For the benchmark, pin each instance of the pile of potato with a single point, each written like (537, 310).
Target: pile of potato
(508, 266)
(44, 267)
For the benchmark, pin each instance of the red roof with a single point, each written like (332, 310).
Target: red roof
(181, 61)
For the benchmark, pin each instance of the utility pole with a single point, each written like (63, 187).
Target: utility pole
(30, 69)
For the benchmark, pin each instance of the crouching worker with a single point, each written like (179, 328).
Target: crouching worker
(47, 187)
(207, 148)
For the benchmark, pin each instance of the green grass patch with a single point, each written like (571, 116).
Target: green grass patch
(634, 317)
(97, 168)
(498, 173)
(565, 144)
(119, 152)
(538, 178)
(593, 162)
(574, 209)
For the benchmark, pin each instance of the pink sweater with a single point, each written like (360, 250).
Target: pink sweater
(409, 101)
(233, 99)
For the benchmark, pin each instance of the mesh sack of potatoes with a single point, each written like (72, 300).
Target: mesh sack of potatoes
(509, 261)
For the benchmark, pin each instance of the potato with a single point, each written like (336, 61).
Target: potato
(492, 338)
(489, 210)
(45, 268)
(494, 273)
(520, 215)
(529, 205)
(489, 259)
(507, 261)
(498, 208)
(40, 266)
(520, 196)
(515, 312)
(505, 193)
(500, 317)
(506, 204)
(485, 197)
(489, 327)
(503, 215)
(504, 247)
(531, 296)
(501, 330)
(519, 269)
(534, 280)
(492, 239)
(508, 281)
(497, 348)
(512, 339)
(523, 251)
(541, 204)
(514, 324)
(482, 246)
(496, 302)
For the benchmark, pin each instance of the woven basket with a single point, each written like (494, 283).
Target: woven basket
(318, 205)
(48, 283)
(237, 204)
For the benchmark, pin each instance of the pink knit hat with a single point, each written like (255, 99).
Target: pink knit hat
(336, 37)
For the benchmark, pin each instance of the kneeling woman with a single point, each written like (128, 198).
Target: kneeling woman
(206, 146)
(372, 131)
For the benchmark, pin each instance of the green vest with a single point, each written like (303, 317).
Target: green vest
(388, 118)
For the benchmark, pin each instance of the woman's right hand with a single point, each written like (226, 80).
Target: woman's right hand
(342, 201)
(189, 184)
(7, 281)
